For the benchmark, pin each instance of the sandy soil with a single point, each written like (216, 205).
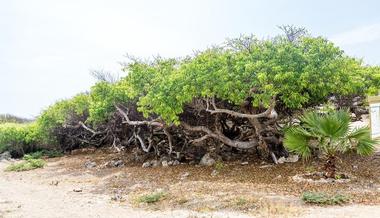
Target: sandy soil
(111, 192)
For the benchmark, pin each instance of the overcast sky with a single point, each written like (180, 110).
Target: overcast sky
(48, 47)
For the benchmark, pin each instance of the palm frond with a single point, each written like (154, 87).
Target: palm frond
(297, 142)
(364, 144)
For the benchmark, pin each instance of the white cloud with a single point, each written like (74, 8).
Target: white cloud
(363, 34)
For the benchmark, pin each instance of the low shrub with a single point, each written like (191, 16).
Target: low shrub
(29, 164)
(43, 153)
(324, 199)
(18, 139)
(151, 198)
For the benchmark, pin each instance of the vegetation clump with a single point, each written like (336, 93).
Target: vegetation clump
(239, 94)
(26, 165)
(329, 134)
(324, 199)
(152, 198)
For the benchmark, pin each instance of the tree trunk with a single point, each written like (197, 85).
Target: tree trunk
(330, 167)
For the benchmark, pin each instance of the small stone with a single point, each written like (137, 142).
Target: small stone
(185, 175)
(281, 160)
(290, 159)
(164, 163)
(176, 162)
(244, 163)
(146, 164)
(117, 163)
(207, 160)
(5, 156)
(77, 190)
(54, 182)
(155, 163)
(214, 173)
(265, 166)
(170, 163)
(90, 164)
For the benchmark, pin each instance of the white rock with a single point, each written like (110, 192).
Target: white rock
(89, 164)
(155, 163)
(176, 162)
(146, 164)
(290, 159)
(214, 173)
(207, 160)
(164, 163)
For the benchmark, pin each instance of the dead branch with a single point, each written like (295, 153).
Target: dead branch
(170, 139)
(143, 146)
(218, 135)
(137, 123)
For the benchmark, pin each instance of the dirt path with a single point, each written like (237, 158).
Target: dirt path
(34, 194)
(31, 196)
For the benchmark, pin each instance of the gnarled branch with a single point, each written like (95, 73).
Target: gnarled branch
(221, 137)
(137, 123)
(216, 110)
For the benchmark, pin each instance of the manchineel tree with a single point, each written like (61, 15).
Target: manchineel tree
(236, 96)
(330, 134)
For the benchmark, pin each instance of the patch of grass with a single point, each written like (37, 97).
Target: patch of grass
(219, 166)
(241, 202)
(52, 153)
(34, 155)
(29, 164)
(43, 153)
(324, 199)
(151, 198)
(310, 169)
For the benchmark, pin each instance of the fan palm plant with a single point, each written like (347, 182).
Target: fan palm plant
(330, 134)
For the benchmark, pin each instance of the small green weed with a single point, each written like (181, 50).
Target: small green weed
(151, 198)
(219, 166)
(241, 202)
(324, 199)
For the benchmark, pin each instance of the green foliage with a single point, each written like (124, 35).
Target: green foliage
(34, 155)
(29, 164)
(300, 71)
(59, 114)
(370, 77)
(17, 138)
(103, 97)
(219, 166)
(329, 133)
(323, 199)
(298, 74)
(151, 198)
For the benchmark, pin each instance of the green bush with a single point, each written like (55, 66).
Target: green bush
(296, 73)
(323, 199)
(29, 164)
(17, 138)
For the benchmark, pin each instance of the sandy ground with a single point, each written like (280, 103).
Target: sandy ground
(36, 194)
(30, 195)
